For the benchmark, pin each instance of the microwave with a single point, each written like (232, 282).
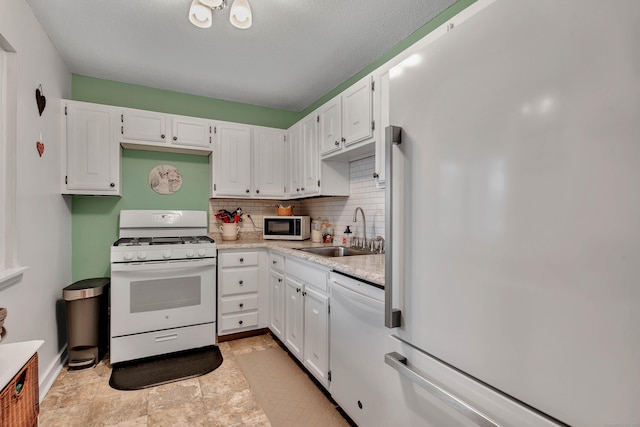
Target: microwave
(286, 227)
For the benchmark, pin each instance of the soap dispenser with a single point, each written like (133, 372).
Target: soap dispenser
(346, 238)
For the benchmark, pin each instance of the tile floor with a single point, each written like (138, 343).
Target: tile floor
(220, 398)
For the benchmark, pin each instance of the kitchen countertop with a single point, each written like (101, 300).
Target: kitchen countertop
(365, 267)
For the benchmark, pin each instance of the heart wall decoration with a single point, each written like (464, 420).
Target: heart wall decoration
(40, 99)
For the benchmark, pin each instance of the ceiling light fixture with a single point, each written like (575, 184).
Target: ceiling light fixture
(200, 13)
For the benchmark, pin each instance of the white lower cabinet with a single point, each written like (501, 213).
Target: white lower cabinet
(300, 298)
(242, 293)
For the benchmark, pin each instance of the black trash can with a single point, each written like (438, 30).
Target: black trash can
(87, 321)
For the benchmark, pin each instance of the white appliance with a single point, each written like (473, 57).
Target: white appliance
(286, 227)
(163, 284)
(513, 219)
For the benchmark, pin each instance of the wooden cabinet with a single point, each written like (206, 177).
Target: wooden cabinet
(310, 156)
(306, 328)
(238, 291)
(268, 162)
(249, 161)
(91, 154)
(148, 130)
(346, 123)
(232, 160)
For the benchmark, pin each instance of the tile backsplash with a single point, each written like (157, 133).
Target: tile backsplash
(338, 210)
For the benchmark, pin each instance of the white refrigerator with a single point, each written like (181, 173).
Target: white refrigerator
(513, 220)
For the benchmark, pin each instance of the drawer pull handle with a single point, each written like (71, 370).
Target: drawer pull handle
(162, 338)
(241, 305)
(241, 259)
(240, 282)
(240, 322)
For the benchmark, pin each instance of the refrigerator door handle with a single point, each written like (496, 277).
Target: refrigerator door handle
(399, 363)
(392, 316)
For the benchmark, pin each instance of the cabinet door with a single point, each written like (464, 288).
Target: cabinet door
(382, 93)
(294, 317)
(191, 132)
(357, 122)
(232, 161)
(316, 334)
(92, 150)
(139, 126)
(268, 162)
(310, 156)
(330, 124)
(276, 297)
(295, 160)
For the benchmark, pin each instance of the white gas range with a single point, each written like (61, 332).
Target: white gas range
(163, 284)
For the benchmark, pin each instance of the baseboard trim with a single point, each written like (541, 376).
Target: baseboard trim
(52, 372)
(246, 334)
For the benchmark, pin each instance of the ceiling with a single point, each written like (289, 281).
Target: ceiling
(296, 51)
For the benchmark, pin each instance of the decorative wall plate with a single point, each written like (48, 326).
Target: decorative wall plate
(165, 179)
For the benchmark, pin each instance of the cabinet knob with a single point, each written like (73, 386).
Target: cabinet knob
(240, 322)
(279, 280)
(241, 259)
(297, 189)
(304, 293)
(337, 143)
(274, 262)
(302, 189)
(257, 191)
(297, 289)
(162, 136)
(359, 404)
(247, 191)
(240, 282)
(344, 140)
(175, 138)
(112, 185)
(241, 305)
(375, 175)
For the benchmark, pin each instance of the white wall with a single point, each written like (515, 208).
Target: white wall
(43, 215)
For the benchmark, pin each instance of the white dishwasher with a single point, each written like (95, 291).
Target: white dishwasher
(357, 349)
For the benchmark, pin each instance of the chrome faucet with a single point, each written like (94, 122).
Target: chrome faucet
(363, 245)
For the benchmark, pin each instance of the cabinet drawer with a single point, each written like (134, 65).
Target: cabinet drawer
(239, 281)
(276, 262)
(239, 321)
(239, 304)
(308, 274)
(237, 259)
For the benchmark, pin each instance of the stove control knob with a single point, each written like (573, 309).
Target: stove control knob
(190, 253)
(166, 254)
(202, 252)
(128, 256)
(142, 255)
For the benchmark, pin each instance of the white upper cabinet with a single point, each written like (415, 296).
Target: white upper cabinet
(310, 184)
(138, 126)
(382, 113)
(347, 124)
(295, 161)
(91, 154)
(268, 162)
(192, 132)
(330, 124)
(357, 112)
(148, 130)
(232, 160)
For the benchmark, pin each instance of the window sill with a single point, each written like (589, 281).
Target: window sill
(11, 276)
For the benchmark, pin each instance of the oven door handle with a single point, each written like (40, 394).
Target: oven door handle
(163, 265)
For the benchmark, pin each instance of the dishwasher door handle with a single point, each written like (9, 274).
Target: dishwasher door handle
(399, 363)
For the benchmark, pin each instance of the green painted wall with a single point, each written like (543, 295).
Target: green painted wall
(95, 219)
(165, 101)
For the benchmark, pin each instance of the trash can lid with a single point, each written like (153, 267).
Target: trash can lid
(86, 288)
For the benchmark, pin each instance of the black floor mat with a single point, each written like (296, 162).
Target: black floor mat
(157, 370)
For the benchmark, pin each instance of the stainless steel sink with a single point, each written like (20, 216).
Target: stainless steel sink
(337, 251)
